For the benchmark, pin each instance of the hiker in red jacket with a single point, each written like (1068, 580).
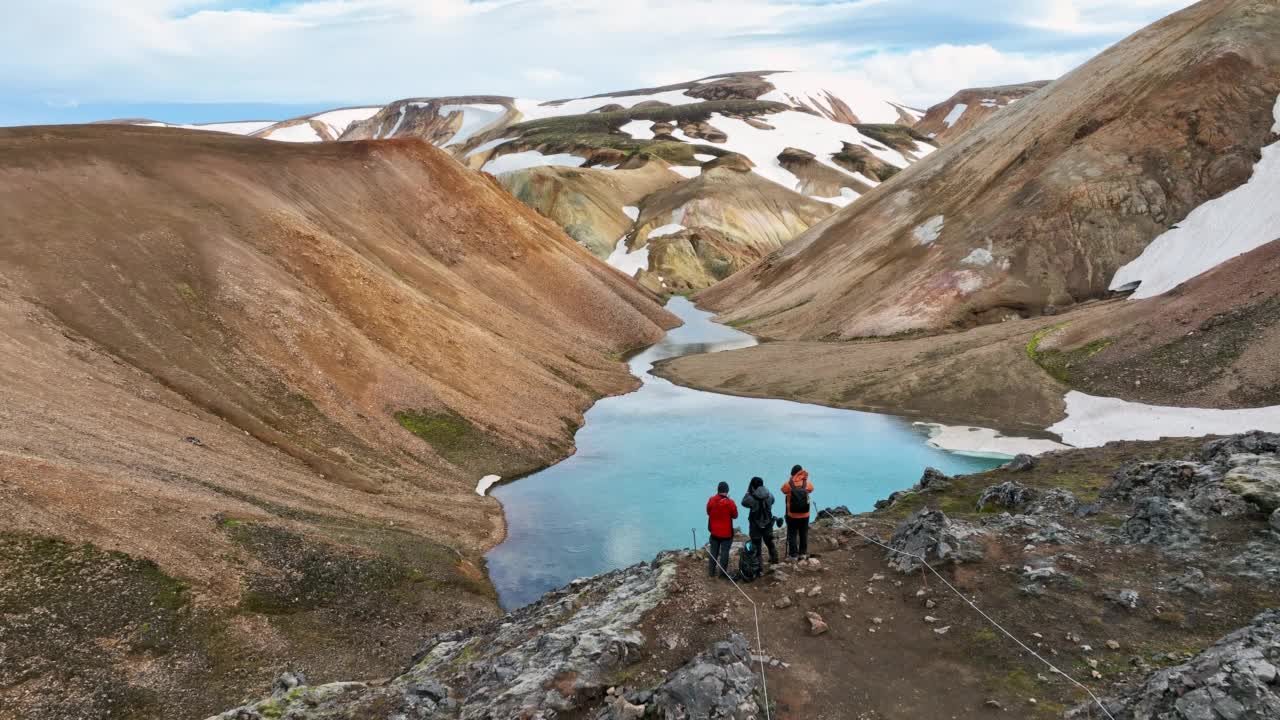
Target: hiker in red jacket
(721, 512)
(798, 489)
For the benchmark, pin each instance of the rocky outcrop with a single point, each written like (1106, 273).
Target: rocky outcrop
(1235, 678)
(1172, 500)
(970, 108)
(717, 685)
(589, 203)
(931, 536)
(728, 220)
(552, 659)
(1008, 495)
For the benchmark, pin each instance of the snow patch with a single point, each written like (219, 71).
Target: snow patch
(811, 89)
(981, 257)
(808, 132)
(528, 159)
(984, 442)
(1093, 421)
(670, 229)
(846, 196)
(339, 120)
(632, 212)
(1220, 229)
(485, 483)
(488, 146)
(703, 157)
(639, 129)
(628, 262)
(302, 132)
(247, 127)
(687, 171)
(929, 230)
(475, 119)
(990, 102)
(955, 114)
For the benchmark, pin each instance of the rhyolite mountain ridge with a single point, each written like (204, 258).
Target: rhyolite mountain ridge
(1038, 207)
(781, 150)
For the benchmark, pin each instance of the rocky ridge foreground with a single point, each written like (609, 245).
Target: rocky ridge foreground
(598, 648)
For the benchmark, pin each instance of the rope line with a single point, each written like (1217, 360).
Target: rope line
(979, 610)
(755, 612)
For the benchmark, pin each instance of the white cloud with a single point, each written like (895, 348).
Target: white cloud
(924, 77)
(377, 50)
(545, 76)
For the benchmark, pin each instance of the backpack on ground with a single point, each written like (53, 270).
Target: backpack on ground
(748, 562)
(799, 498)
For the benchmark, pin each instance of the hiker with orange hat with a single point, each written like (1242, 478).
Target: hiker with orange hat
(798, 489)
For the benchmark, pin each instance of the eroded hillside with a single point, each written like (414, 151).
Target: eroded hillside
(248, 391)
(1037, 208)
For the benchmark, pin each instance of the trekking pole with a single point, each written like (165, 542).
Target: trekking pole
(695, 537)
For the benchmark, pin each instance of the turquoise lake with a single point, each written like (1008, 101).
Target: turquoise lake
(648, 461)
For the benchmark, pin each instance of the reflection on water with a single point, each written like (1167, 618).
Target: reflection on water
(648, 461)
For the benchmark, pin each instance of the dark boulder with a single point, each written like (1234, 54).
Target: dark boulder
(1235, 678)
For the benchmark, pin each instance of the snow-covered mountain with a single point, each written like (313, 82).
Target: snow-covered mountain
(787, 148)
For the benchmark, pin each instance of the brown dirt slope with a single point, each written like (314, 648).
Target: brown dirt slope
(270, 374)
(980, 104)
(1211, 342)
(1040, 205)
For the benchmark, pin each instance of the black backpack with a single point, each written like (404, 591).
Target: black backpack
(748, 562)
(799, 498)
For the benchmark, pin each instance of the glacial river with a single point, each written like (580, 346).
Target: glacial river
(648, 461)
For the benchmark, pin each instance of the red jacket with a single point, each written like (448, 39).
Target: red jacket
(721, 512)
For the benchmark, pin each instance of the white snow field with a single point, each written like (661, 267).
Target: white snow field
(866, 100)
(984, 442)
(529, 159)
(302, 132)
(246, 127)
(628, 262)
(339, 120)
(800, 130)
(1243, 219)
(668, 229)
(955, 114)
(632, 212)
(1092, 421)
(475, 118)
(485, 483)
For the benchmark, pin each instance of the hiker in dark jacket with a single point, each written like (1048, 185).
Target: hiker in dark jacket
(760, 519)
(721, 512)
(798, 489)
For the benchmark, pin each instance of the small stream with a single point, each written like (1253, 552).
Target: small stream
(648, 461)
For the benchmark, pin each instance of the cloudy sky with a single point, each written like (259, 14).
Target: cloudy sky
(191, 60)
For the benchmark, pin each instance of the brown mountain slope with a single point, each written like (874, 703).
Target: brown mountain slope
(216, 352)
(1211, 342)
(1041, 204)
(948, 120)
